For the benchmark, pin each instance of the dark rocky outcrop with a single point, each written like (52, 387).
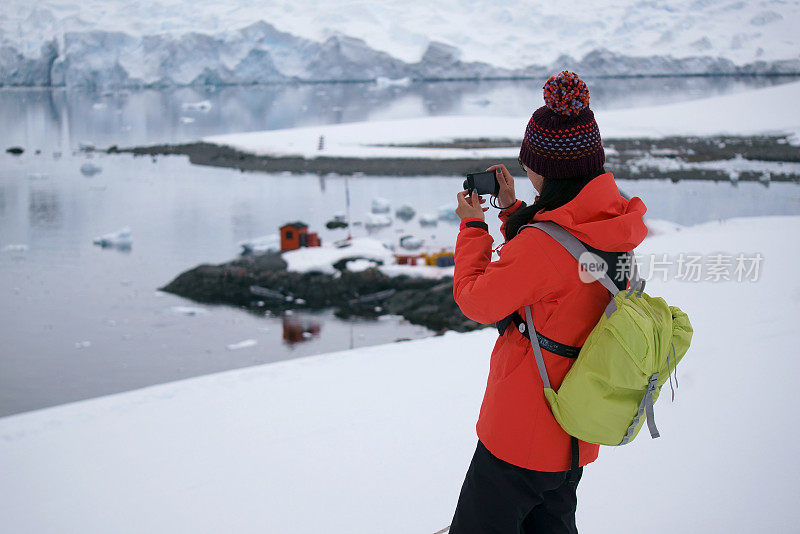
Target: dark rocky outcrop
(423, 301)
(623, 157)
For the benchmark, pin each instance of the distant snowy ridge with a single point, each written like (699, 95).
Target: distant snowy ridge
(108, 45)
(768, 111)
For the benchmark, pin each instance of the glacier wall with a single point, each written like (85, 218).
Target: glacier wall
(260, 53)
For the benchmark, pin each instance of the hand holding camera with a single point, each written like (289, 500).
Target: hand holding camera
(496, 181)
(506, 195)
(469, 205)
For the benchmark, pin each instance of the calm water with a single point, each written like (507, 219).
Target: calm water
(79, 321)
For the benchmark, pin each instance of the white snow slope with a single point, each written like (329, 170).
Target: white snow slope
(774, 110)
(378, 439)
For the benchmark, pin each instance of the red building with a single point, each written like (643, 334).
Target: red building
(295, 235)
(408, 259)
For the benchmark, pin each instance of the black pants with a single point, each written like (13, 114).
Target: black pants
(499, 497)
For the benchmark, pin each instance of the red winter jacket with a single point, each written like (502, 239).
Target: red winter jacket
(515, 422)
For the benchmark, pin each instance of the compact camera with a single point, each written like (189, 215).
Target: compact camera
(484, 183)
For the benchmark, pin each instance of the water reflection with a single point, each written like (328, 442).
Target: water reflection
(44, 208)
(60, 119)
(297, 330)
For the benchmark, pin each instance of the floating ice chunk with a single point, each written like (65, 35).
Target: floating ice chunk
(16, 248)
(120, 239)
(99, 105)
(189, 311)
(376, 220)
(409, 242)
(428, 219)
(243, 344)
(187, 120)
(405, 212)
(38, 176)
(203, 105)
(83, 344)
(90, 169)
(380, 205)
(447, 212)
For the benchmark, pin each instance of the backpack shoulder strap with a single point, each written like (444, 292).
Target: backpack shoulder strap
(576, 249)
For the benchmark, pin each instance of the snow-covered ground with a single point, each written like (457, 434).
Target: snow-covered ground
(772, 110)
(378, 439)
(323, 258)
(111, 44)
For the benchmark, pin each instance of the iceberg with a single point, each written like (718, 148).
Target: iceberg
(120, 239)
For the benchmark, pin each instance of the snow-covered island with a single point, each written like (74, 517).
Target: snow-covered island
(378, 439)
(741, 136)
(363, 277)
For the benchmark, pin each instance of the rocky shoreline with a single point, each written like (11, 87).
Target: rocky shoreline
(261, 283)
(673, 158)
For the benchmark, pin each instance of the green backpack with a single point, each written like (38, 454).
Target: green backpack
(625, 360)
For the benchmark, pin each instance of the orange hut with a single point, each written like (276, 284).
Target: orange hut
(290, 235)
(295, 235)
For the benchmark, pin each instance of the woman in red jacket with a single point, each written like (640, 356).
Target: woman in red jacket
(525, 469)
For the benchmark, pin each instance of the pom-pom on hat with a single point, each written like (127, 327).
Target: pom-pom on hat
(562, 139)
(566, 94)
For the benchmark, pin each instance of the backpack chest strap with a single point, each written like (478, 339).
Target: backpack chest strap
(567, 351)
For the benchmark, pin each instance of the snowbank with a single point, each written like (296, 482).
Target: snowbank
(368, 250)
(772, 110)
(306, 259)
(378, 439)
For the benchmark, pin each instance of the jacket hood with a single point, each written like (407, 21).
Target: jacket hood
(601, 217)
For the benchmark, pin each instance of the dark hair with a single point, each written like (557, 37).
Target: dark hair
(555, 193)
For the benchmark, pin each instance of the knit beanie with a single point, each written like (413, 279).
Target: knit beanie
(562, 139)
